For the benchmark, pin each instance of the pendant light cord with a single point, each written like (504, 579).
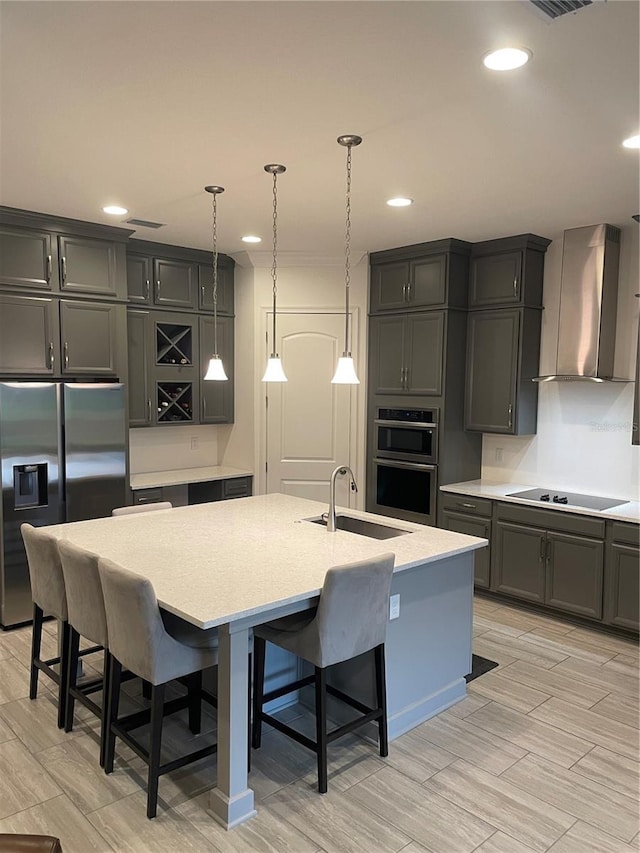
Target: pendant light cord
(273, 266)
(214, 237)
(347, 255)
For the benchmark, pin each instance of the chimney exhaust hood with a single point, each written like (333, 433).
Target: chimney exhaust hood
(588, 306)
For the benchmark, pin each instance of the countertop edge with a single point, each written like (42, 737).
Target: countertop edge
(183, 476)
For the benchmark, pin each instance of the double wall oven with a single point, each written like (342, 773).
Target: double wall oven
(404, 467)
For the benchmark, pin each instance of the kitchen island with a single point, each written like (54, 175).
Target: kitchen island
(239, 563)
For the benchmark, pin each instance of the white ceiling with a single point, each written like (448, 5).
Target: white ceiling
(144, 103)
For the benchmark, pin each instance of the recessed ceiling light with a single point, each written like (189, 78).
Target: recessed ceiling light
(399, 202)
(507, 58)
(114, 210)
(632, 142)
(251, 238)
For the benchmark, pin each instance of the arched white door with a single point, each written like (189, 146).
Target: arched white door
(309, 420)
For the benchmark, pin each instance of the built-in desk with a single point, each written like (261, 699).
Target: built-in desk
(236, 564)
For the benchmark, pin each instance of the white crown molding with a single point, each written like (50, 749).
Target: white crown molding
(264, 260)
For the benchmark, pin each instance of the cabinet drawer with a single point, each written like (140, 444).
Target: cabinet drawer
(580, 524)
(627, 533)
(466, 504)
(148, 496)
(238, 487)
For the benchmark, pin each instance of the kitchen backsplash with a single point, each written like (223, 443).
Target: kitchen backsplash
(170, 448)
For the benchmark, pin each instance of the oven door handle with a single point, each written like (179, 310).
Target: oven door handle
(413, 466)
(406, 425)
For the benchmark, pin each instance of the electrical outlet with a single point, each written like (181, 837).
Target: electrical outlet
(394, 607)
(194, 442)
(498, 454)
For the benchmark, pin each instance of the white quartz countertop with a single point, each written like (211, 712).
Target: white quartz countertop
(629, 511)
(186, 475)
(216, 563)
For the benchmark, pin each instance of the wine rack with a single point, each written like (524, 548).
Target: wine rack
(175, 402)
(174, 344)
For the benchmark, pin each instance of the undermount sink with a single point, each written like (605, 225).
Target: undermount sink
(362, 527)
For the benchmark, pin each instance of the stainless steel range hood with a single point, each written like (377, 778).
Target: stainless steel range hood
(588, 306)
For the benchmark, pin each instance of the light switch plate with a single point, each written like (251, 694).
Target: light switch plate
(394, 607)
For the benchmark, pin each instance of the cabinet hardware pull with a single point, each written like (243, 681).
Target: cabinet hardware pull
(549, 551)
(48, 269)
(409, 292)
(204, 407)
(147, 287)
(542, 550)
(467, 506)
(402, 377)
(149, 410)
(404, 292)
(158, 290)
(515, 285)
(64, 270)
(202, 293)
(510, 424)
(51, 354)
(66, 354)
(406, 379)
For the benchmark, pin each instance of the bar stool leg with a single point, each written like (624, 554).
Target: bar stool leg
(321, 727)
(113, 701)
(381, 693)
(258, 689)
(72, 677)
(157, 708)
(64, 674)
(36, 644)
(104, 719)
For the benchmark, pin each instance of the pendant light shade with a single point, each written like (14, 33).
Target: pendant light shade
(346, 372)
(215, 370)
(274, 371)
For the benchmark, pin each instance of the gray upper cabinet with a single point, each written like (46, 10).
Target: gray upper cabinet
(139, 274)
(29, 336)
(175, 283)
(139, 354)
(508, 271)
(406, 353)
(88, 266)
(409, 284)
(26, 259)
(216, 398)
(503, 353)
(89, 333)
(225, 287)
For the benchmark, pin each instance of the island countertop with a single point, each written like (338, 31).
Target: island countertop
(197, 556)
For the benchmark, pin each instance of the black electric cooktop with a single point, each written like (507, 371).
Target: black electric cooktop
(553, 496)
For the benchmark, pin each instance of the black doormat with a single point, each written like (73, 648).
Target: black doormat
(479, 666)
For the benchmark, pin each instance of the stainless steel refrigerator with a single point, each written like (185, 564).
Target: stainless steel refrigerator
(62, 458)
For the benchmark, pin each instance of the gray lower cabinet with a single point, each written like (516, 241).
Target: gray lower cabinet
(549, 558)
(216, 398)
(188, 494)
(503, 350)
(406, 353)
(622, 570)
(465, 514)
(60, 338)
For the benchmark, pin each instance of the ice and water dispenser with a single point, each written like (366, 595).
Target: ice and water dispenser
(30, 486)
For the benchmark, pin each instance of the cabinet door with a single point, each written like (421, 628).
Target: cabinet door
(387, 355)
(88, 266)
(635, 429)
(492, 365)
(423, 353)
(427, 281)
(28, 335)
(519, 561)
(225, 289)
(622, 593)
(389, 286)
(26, 259)
(139, 274)
(175, 283)
(496, 279)
(473, 527)
(89, 334)
(574, 574)
(139, 351)
(216, 398)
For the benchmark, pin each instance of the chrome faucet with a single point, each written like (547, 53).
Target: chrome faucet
(331, 516)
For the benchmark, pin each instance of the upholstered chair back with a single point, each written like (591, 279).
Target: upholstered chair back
(85, 602)
(45, 571)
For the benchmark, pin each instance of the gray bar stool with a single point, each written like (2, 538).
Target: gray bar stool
(132, 510)
(49, 596)
(139, 641)
(351, 618)
(85, 608)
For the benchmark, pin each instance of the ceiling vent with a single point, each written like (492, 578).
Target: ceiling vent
(144, 223)
(555, 8)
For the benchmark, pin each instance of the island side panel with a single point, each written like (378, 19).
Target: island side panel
(428, 648)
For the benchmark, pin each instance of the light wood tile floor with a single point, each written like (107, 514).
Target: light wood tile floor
(542, 755)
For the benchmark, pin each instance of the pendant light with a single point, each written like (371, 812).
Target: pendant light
(274, 371)
(215, 371)
(345, 371)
